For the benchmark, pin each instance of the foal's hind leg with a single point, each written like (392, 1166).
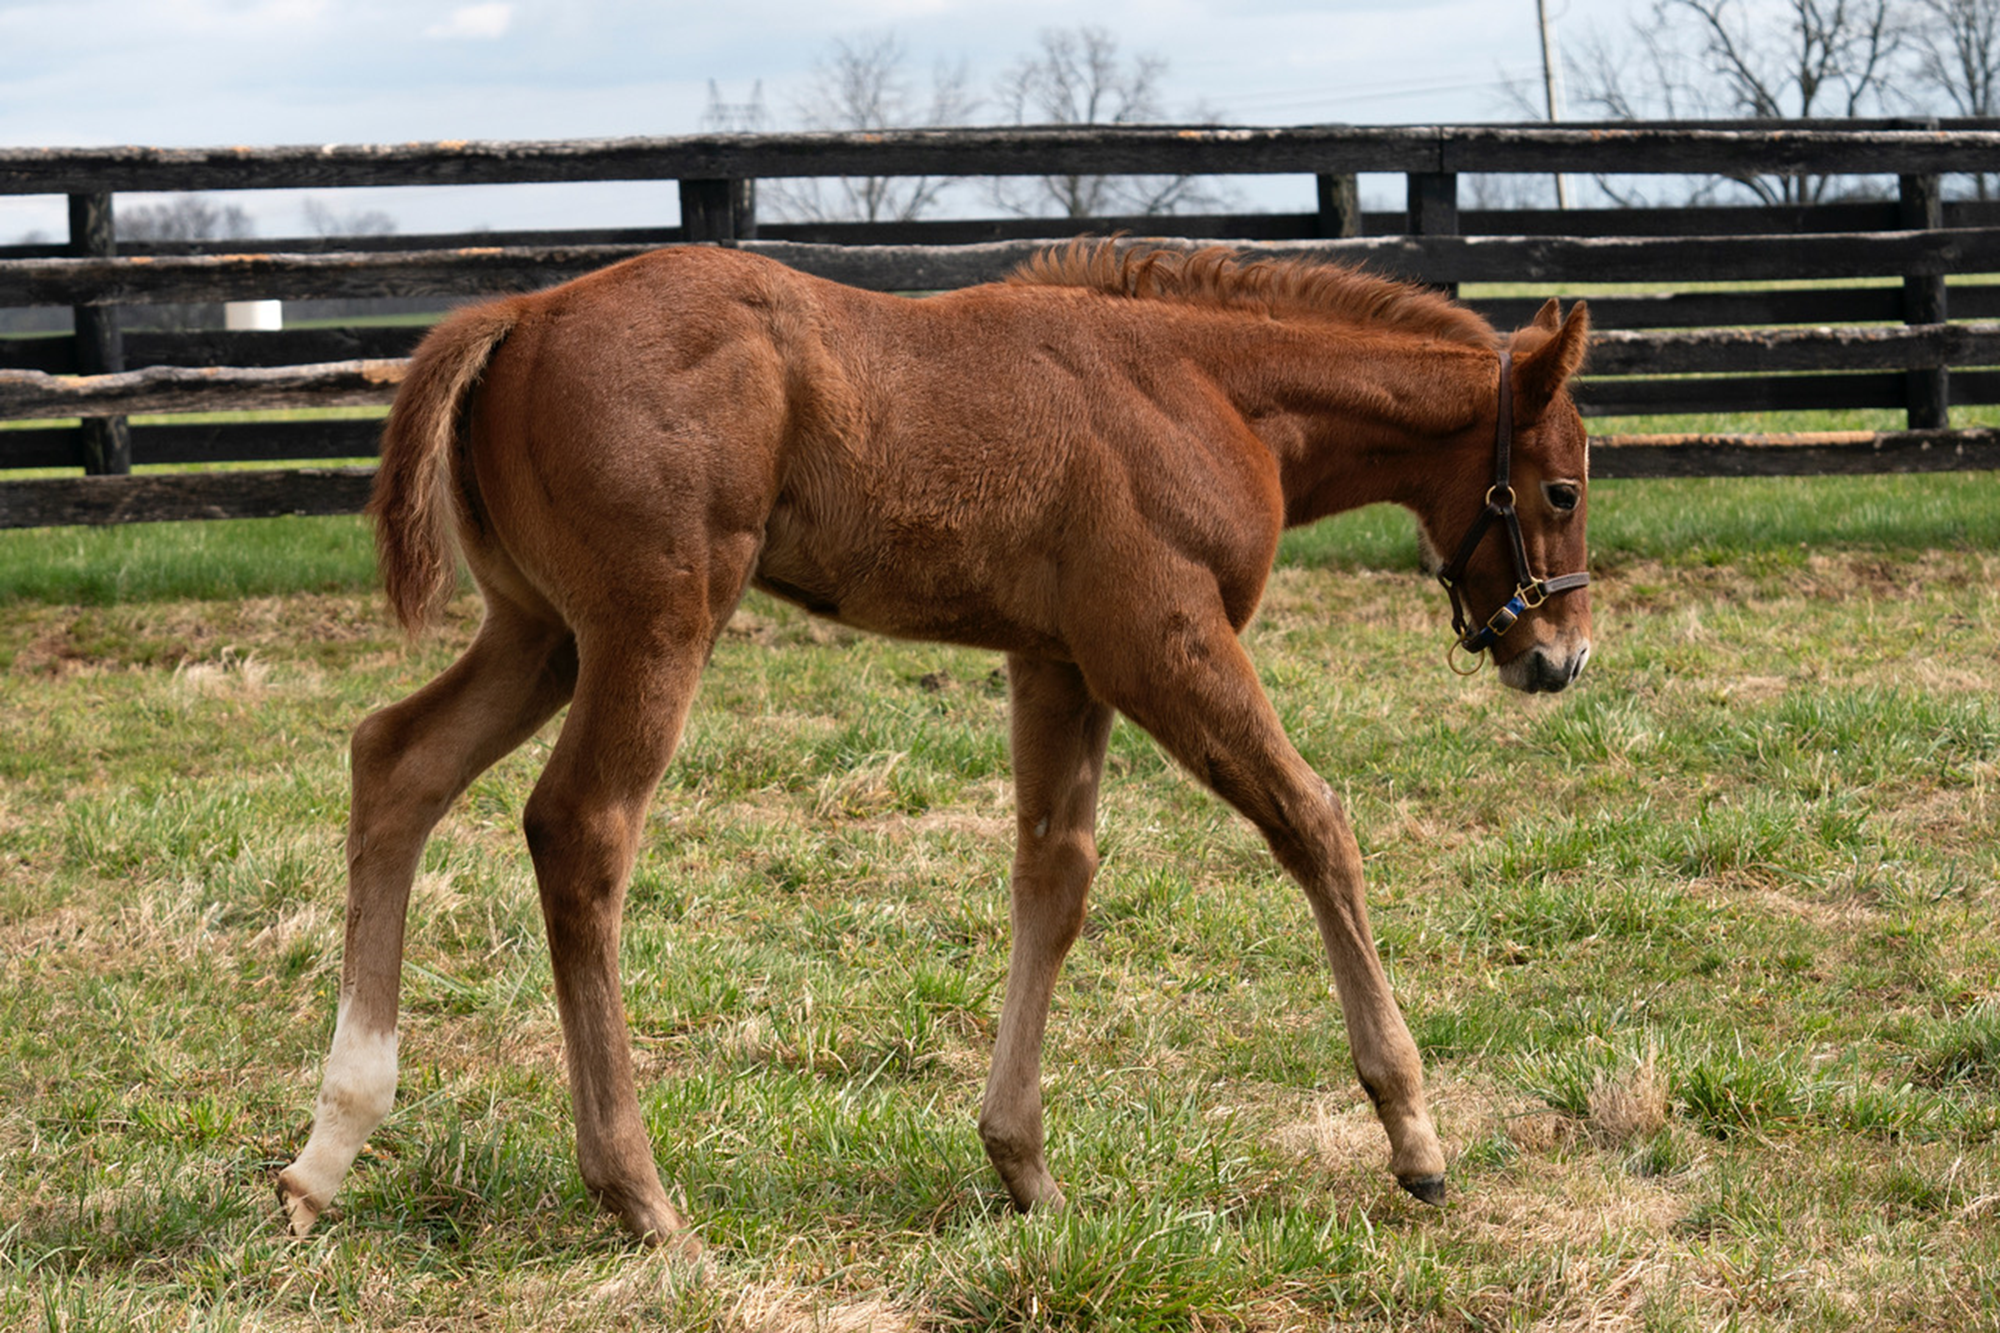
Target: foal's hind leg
(584, 823)
(1059, 737)
(1199, 696)
(411, 761)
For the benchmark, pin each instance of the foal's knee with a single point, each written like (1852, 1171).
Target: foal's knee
(582, 851)
(1056, 869)
(558, 823)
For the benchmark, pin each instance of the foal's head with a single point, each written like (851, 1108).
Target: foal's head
(1514, 560)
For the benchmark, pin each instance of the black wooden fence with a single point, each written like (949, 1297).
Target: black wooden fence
(1802, 337)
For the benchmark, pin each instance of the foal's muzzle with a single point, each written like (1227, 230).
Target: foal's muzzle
(1544, 669)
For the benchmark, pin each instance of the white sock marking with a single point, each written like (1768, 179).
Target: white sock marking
(356, 1093)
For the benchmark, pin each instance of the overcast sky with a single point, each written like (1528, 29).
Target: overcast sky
(205, 72)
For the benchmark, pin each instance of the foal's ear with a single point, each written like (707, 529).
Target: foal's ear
(1549, 316)
(1550, 352)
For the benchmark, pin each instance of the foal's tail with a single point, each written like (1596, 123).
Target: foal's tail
(415, 498)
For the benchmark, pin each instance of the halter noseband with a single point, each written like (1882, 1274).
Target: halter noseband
(1529, 591)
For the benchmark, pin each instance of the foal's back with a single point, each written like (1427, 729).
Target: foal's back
(942, 468)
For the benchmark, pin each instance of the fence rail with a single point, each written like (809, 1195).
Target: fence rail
(1928, 147)
(1436, 259)
(1837, 306)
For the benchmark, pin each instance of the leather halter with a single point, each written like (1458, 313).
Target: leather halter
(1529, 591)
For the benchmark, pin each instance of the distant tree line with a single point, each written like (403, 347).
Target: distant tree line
(1680, 59)
(1791, 60)
(1072, 76)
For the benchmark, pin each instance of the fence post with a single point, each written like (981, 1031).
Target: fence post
(718, 210)
(1433, 203)
(1922, 206)
(105, 443)
(1339, 205)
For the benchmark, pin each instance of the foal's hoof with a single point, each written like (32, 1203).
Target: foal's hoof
(679, 1245)
(1430, 1189)
(300, 1211)
(653, 1222)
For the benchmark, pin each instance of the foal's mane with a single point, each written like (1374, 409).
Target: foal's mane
(1282, 288)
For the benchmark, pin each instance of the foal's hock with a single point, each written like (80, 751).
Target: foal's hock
(1086, 467)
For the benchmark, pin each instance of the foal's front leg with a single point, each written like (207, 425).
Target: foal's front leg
(1199, 696)
(1059, 738)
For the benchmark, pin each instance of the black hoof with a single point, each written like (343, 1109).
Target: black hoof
(1430, 1189)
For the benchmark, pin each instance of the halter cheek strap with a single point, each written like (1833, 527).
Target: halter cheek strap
(1529, 591)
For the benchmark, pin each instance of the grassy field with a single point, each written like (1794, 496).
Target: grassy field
(1704, 958)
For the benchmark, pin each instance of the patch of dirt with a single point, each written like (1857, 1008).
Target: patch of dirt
(777, 1308)
(69, 641)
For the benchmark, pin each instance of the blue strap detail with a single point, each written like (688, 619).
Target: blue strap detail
(1503, 620)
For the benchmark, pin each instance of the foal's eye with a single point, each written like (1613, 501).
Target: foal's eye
(1562, 495)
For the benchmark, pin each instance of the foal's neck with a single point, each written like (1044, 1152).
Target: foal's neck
(1355, 418)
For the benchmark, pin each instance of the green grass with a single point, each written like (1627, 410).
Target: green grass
(1702, 957)
(154, 562)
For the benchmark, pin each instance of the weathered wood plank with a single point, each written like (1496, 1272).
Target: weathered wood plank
(1472, 258)
(45, 446)
(205, 442)
(225, 347)
(1751, 351)
(277, 347)
(1701, 310)
(1432, 259)
(1780, 393)
(1844, 453)
(1716, 148)
(1735, 314)
(1007, 151)
(1749, 393)
(27, 395)
(171, 497)
(258, 276)
(1969, 387)
(1692, 220)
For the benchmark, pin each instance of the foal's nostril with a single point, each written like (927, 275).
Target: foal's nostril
(1545, 674)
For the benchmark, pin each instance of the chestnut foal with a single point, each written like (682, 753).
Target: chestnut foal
(1086, 468)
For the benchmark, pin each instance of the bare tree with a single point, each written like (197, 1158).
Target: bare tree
(1077, 76)
(185, 217)
(864, 84)
(322, 219)
(1727, 58)
(1958, 59)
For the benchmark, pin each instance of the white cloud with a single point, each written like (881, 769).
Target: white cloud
(483, 22)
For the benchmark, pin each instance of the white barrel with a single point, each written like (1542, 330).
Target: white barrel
(253, 315)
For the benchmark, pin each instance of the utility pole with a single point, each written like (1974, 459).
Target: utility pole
(1552, 86)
